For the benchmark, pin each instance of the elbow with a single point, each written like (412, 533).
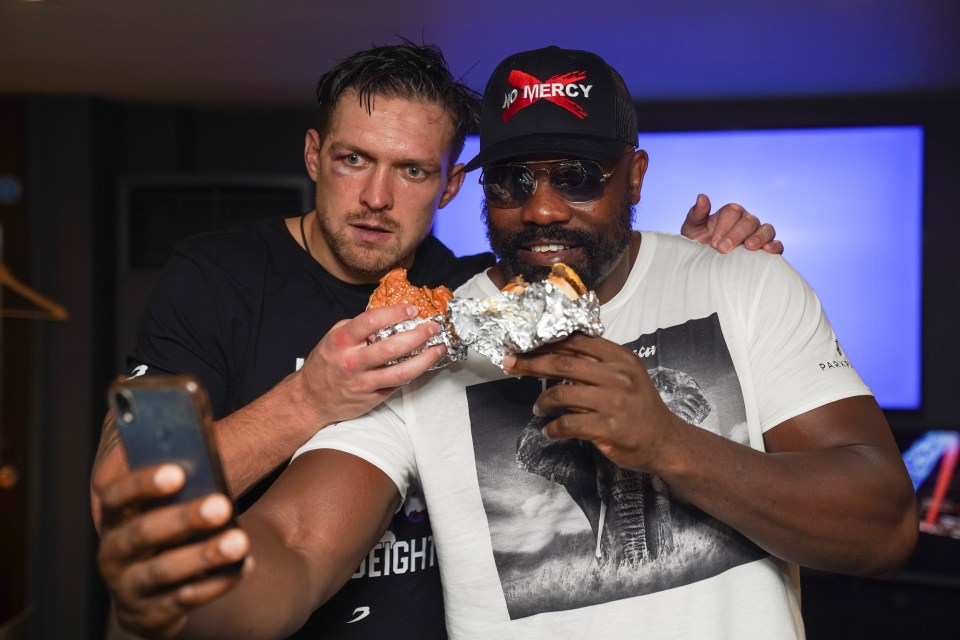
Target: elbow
(897, 546)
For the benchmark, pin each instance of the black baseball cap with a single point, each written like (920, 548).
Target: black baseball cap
(555, 101)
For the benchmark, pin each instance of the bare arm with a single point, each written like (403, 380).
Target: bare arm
(831, 492)
(305, 538)
(343, 377)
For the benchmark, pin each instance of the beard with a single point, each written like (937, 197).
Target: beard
(366, 259)
(601, 250)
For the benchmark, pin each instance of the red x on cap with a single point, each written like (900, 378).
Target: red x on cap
(555, 101)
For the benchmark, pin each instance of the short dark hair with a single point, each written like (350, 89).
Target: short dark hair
(408, 71)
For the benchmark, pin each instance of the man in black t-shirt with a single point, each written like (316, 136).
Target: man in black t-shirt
(270, 318)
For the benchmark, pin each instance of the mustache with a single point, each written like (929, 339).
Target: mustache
(371, 218)
(549, 234)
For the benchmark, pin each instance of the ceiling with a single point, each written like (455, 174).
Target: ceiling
(271, 52)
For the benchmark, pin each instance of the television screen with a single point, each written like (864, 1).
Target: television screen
(931, 460)
(847, 203)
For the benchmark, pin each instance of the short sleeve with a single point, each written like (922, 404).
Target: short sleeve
(798, 360)
(379, 437)
(183, 331)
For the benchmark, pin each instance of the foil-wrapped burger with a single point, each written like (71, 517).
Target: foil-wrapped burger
(522, 317)
(525, 316)
(394, 288)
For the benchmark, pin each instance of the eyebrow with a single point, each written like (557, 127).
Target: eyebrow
(340, 147)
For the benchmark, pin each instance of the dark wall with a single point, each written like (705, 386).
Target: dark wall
(76, 151)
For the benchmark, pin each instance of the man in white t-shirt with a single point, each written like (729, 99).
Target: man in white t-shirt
(713, 440)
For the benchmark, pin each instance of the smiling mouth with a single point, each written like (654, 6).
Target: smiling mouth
(547, 248)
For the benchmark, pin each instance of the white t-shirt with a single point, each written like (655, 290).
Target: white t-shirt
(540, 539)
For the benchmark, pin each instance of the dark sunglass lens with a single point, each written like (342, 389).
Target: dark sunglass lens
(507, 186)
(578, 180)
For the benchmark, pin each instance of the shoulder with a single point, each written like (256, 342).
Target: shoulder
(234, 241)
(740, 277)
(673, 249)
(236, 251)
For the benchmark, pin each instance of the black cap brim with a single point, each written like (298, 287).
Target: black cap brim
(564, 147)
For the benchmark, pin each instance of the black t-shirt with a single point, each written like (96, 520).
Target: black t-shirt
(239, 310)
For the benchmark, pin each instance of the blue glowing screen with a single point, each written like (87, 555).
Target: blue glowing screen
(847, 203)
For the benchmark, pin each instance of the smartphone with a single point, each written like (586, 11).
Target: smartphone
(166, 419)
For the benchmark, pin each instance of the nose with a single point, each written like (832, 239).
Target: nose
(545, 205)
(377, 192)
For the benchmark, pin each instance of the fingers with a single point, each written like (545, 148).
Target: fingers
(190, 565)
(566, 359)
(154, 596)
(396, 346)
(699, 211)
(164, 526)
(357, 330)
(775, 247)
(695, 224)
(156, 578)
(407, 371)
(357, 356)
(562, 398)
(734, 225)
(729, 227)
(763, 237)
(127, 493)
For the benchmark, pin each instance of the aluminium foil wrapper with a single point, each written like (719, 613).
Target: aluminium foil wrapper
(456, 349)
(517, 323)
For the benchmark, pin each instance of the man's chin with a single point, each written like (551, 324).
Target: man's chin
(370, 263)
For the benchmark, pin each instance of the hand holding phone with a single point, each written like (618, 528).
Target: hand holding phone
(166, 419)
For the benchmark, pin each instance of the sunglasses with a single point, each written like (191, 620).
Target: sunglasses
(508, 186)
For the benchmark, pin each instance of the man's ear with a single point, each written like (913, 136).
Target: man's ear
(311, 153)
(638, 167)
(454, 182)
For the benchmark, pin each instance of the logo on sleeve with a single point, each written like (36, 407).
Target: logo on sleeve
(840, 363)
(138, 371)
(360, 613)
(558, 89)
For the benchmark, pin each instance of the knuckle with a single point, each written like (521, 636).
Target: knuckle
(730, 209)
(339, 337)
(622, 378)
(560, 393)
(136, 532)
(154, 573)
(562, 425)
(350, 364)
(564, 364)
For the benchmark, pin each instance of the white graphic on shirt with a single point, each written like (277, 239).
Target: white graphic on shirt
(138, 371)
(360, 613)
(568, 528)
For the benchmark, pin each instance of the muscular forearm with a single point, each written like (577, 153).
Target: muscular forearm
(255, 440)
(342, 378)
(272, 600)
(307, 536)
(847, 509)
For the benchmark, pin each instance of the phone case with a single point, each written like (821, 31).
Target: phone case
(166, 419)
